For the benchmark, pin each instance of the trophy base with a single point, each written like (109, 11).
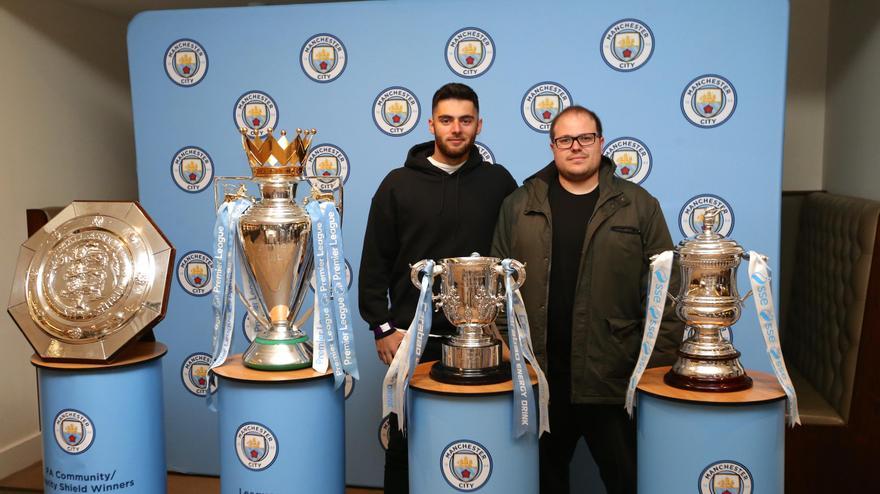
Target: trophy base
(721, 385)
(454, 375)
(278, 355)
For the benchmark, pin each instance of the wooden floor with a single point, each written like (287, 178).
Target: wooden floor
(31, 480)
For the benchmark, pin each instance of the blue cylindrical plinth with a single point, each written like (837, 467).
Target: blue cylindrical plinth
(711, 443)
(102, 424)
(461, 440)
(280, 432)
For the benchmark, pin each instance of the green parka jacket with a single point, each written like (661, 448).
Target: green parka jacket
(626, 229)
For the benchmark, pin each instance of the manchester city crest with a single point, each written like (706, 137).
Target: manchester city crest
(186, 62)
(194, 373)
(327, 162)
(74, 431)
(347, 277)
(631, 157)
(466, 465)
(542, 102)
(708, 101)
(691, 215)
(256, 446)
(323, 58)
(385, 432)
(726, 477)
(485, 152)
(249, 327)
(192, 169)
(470, 52)
(627, 45)
(195, 273)
(396, 111)
(255, 111)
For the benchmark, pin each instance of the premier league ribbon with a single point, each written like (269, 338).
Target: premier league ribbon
(759, 277)
(661, 267)
(409, 353)
(520, 341)
(331, 296)
(223, 293)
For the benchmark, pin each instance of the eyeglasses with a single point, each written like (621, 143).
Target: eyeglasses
(584, 140)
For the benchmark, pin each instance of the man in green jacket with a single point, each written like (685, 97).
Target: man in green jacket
(586, 237)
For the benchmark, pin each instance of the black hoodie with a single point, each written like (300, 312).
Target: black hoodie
(422, 212)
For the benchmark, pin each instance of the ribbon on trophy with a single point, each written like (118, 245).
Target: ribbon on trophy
(332, 309)
(409, 353)
(759, 277)
(521, 350)
(661, 267)
(223, 292)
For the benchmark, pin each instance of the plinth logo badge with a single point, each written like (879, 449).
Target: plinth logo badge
(542, 102)
(485, 152)
(186, 62)
(396, 111)
(470, 52)
(256, 446)
(192, 169)
(194, 373)
(74, 431)
(708, 101)
(627, 45)
(466, 465)
(726, 477)
(323, 57)
(195, 273)
(327, 160)
(255, 111)
(691, 215)
(632, 157)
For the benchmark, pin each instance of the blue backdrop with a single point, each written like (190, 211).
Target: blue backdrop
(691, 94)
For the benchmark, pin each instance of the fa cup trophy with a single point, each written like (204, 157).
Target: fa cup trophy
(708, 303)
(470, 299)
(274, 236)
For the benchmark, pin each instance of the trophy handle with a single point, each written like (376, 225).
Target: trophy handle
(418, 268)
(519, 270)
(222, 194)
(338, 199)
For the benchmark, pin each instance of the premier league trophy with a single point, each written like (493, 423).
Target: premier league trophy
(470, 299)
(708, 303)
(274, 235)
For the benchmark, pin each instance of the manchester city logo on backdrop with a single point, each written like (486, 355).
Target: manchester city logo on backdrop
(195, 273)
(186, 62)
(74, 431)
(466, 465)
(396, 111)
(632, 157)
(726, 477)
(470, 52)
(192, 169)
(194, 373)
(708, 101)
(385, 432)
(542, 102)
(485, 152)
(627, 45)
(327, 162)
(249, 327)
(255, 111)
(323, 57)
(256, 446)
(691, 215)
(347, 277)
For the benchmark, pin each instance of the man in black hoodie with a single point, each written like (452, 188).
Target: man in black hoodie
(442, 203)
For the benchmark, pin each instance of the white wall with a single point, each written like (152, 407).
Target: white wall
(66, 134)
(852, 122)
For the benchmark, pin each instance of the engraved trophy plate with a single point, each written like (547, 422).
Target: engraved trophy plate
(91, 280)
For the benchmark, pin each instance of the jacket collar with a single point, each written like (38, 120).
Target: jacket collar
(538, 186)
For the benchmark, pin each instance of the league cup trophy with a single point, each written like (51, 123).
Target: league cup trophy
(274, 236)
(470, 299)
(708, 303)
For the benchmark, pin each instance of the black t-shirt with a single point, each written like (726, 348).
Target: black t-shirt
(570, 214)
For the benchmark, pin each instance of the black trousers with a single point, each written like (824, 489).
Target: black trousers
(397, 454)
(611, 436)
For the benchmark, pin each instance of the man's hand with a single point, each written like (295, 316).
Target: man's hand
(387, 346)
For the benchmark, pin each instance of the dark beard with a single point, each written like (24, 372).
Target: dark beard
(455, 157)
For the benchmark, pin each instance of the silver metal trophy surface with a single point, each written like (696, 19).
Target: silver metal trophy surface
(471, 293)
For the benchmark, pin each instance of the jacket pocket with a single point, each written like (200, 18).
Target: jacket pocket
(621, 347)
(626, 229)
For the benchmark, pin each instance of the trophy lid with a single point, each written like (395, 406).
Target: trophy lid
(473, 259)
(708, 242)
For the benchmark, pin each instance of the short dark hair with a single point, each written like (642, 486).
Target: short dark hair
(580, 110)
(455, 90)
